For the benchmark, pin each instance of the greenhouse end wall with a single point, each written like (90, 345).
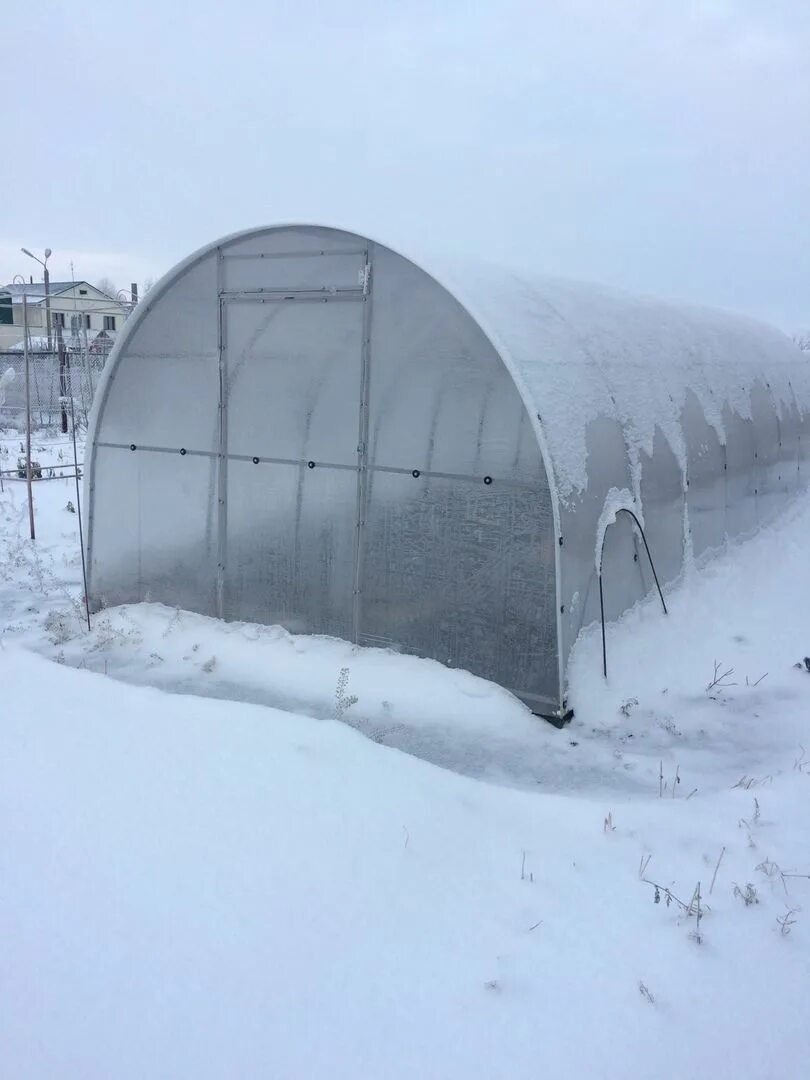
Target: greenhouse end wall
(302, 427)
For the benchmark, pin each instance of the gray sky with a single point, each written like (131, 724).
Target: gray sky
(659, 145)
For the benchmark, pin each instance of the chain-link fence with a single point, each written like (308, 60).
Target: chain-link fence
(59, 389)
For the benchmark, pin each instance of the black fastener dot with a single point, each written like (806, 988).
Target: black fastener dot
(255, 461)
(561, 541)
(415, 474)
(132, 446)
(562, 609)
(182, 451)
(310, 464)
(487, 479)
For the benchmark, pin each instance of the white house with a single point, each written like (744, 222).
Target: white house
(79, 308)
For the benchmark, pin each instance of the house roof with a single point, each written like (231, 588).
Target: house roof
(35, 291)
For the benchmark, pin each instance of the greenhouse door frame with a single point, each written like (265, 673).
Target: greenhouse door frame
(361, 293)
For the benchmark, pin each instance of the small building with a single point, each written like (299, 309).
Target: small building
(301, 426)
(76, 306)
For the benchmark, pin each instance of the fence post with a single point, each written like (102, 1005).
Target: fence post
(28, 418)
(62, 380)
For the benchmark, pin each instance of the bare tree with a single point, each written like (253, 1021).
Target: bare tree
(108, 286)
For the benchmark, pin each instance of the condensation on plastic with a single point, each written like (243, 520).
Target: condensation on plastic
(290, 548)
(662, 498)
(159, 543)
(706, 491)
(463, 572)
(293, 373)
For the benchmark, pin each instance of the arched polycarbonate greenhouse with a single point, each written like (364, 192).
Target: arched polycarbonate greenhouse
(301, 426)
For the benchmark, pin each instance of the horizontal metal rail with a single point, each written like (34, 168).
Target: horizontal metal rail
(262, 459)
(338, 252)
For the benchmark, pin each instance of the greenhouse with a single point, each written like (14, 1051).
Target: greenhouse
(299, 426)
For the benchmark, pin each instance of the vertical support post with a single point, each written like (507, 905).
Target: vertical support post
(48, 323)
(362, 444)
(60, 348)
(28, 419)
(222, 451)
(78, 498)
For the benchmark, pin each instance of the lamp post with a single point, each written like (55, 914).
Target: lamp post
(44, 265)
(26, 348)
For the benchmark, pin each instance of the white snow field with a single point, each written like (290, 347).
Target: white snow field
(254, 875)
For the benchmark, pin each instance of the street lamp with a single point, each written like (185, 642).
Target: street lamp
(44, 266)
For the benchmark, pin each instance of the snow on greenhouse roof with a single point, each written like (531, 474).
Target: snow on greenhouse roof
(579, 351)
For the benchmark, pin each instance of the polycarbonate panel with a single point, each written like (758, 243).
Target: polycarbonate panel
(308, 239)
(166, 402)
(662, 503)
(771, 489)
(463, 572)
(291, 541)
(625, 571)
(441, 399)
(183, 322)
(741, 474)
(579, 520)
(789, 431)
(293, 273)
(154, 529)
(804, 449)
(293, 372)
(706, 490)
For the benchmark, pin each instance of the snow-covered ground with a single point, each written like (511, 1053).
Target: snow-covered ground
(248, 877)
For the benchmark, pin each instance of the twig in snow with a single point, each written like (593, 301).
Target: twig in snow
(668, 895)
(714, 875)
(721, 679)
(787, 921)
(695, 909)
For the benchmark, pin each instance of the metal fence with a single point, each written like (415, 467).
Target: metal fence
(59, 390)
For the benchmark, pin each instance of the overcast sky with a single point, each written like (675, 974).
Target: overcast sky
(659, 145)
